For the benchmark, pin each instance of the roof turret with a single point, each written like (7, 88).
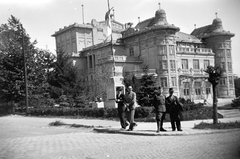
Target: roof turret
(217, 25)
(160, 17)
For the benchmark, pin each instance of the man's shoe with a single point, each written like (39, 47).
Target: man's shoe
(158, 131)
(173, 129)
(179, 130)
(130, 130)
(134, 125)
(162, 129)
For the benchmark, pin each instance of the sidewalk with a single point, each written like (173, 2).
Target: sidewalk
(149, 128)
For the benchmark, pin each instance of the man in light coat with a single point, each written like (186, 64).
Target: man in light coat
(131, 103)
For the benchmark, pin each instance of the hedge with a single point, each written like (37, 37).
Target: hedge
(191, 112)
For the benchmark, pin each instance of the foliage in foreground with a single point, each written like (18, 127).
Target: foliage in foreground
(229, 125)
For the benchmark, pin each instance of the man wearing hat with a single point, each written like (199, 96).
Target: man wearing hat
(121, 107)
(160, 109)
(175, 108)
(131, 102)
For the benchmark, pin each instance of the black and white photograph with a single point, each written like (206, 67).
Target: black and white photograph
(119, 79)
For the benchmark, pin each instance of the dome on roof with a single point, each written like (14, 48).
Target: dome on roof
(160, 17)
(217, 25)
(217, 20)
(160, 13)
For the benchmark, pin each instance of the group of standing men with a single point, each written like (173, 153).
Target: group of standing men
(127, 103)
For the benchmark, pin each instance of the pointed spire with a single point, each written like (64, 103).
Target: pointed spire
(216, 14)
(83, 13)
(113, 15)
(159, 4)
(195, 26)
(138, 19)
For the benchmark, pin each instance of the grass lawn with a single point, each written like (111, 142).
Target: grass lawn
(229, 125)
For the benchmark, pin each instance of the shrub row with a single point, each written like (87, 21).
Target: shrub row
(197, 111)
(141, 112)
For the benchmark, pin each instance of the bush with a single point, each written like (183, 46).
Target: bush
(6, 108)
(184, 101)
(192, 106)
(201, 113)
(142, 112)
(236, 102)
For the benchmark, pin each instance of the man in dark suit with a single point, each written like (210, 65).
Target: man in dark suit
(175, 108)
(160, 109)
(121, 107)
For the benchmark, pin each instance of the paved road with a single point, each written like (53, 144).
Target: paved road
(32, 138)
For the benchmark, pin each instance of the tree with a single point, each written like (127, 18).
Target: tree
(102, 79)
(13, 43)
(63, 80)
(13, 39)
(237, 86)
(146, 91)
(215, 73)
(38, 86)
(143, 87)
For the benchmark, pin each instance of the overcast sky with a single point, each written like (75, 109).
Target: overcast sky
(41, 18)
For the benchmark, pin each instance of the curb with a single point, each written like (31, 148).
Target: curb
(169, 133)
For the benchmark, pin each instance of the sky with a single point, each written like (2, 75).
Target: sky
(41, 18)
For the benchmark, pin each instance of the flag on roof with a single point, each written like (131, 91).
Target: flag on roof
(107, 31)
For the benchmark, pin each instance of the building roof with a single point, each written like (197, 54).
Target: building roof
(214, 29)
(158, 22)
(74, 25)
(143, 24)
(160, 19)
(201, 31)
(184, 37)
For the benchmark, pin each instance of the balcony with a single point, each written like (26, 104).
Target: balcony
(140, 73)
(192, 72)
(110, 58)
(193, 50)
(121, 58)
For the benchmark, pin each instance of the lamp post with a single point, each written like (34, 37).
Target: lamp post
(25, 71)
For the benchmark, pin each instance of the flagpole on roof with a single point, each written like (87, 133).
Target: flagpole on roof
(111, 41)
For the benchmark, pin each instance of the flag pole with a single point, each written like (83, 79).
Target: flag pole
(112, 44)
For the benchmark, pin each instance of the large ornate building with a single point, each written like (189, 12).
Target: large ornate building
(176, 59)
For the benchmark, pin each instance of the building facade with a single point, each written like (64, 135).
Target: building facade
(176, 59)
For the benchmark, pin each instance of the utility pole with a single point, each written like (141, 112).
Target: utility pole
(112, 42)
(25, 71)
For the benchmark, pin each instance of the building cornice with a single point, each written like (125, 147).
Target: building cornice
(75, 25)
(136, 32)
(217, 34)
